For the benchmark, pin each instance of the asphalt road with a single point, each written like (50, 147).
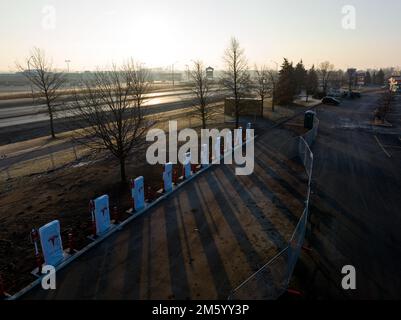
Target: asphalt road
(22, 108)
(22, 121)
(355, 212)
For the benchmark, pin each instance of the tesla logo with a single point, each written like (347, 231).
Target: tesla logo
(52, 239)
(104, 210)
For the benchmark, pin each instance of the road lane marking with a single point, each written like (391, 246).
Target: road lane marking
(381, 146)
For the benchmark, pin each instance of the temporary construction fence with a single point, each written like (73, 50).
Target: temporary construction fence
(272, 280)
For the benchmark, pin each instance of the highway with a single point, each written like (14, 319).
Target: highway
(21, 120)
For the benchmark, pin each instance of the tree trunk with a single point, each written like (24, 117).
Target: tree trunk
(261, 107)
(204, 118)
(273, 98)
(49, 109)
(236, 118)
(122, 170)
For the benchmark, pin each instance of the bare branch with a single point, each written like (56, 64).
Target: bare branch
(109, 114)
(236, 77)
(44, 79)
(201, 91)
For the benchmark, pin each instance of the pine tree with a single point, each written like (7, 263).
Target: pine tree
(300, 74)
(368, 78)
(312, 82)
(286, 84)
(380, 77)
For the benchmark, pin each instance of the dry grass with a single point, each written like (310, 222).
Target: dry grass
(54, 160)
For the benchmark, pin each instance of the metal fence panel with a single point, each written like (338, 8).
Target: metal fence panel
(272, 280)
(268, 283)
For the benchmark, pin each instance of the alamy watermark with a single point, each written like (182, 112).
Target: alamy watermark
(157, 152)
(349, 280)
(49, 278)
(49, 17)
(348, 21)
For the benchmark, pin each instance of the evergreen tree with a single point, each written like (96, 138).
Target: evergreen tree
(368, 78)
(286, 85)
(374, 78)
(300, 74)
(312, 82)
(380, 77)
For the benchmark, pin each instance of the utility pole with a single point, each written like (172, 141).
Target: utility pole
(68, 65)
(172, 73)
(274, 86)
(187, 66)
(67, 61)
(29, 70)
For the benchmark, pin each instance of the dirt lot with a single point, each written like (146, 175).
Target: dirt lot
(200, 243)
(33, 200)
(64, 194)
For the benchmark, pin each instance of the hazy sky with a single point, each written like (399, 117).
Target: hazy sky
(161, 32)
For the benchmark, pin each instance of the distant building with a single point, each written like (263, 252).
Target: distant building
(360, 78)
(165, 76)
(394, 83)
(209, 73)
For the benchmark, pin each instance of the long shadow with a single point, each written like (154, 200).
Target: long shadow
(178, 276)
(186, 242)
(247, 198)
(288, 214)
(226, 208)
(281, 181)
(216, 266)
(296, 175)
(150, 254)
(133, 264)
(95, 271)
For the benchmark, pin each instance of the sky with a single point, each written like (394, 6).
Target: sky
(95, 34)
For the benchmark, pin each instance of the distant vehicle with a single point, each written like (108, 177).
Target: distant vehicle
(331, 101)
(335, 94)
(351, 95)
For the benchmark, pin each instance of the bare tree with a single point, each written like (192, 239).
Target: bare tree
(139, 82)
(384, 103)
(236, 77)
(108, 118)
(201, 90)
(44, 80)
(262, 85)
(273, 84)
(326, 71)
